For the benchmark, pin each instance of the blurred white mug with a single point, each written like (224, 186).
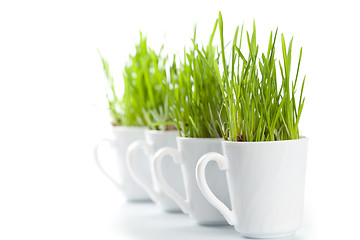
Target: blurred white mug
(122, 138)
(187, 155)
(156, 139)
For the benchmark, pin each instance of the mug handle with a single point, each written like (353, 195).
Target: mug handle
(149, 149)
(119, 185)
(176, 156)
(204, 187)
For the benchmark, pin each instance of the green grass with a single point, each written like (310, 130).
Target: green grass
(256, 108)
(145, 100)
(253, 97)
(115, 104)
(196, 97)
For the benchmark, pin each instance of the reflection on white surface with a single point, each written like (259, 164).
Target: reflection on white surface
(139, 221)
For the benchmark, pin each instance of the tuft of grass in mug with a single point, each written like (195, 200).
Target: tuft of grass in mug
(256, 108)
(195, 92)
(145, 99)
(115, 103)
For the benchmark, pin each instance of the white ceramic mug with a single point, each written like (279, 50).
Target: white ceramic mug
(266, 183)
(122, 138)
(154, 141)
(188, 152)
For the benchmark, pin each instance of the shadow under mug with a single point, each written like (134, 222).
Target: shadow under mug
(266, 183)
(155, 140)
(122, 138)
(190, 150)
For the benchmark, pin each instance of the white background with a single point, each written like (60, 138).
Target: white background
(52, 112)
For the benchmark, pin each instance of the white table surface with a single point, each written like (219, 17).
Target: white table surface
(147, 221)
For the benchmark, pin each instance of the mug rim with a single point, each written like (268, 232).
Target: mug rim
(121, 128)
(192, 138)
(301, 139)
(151, 131)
